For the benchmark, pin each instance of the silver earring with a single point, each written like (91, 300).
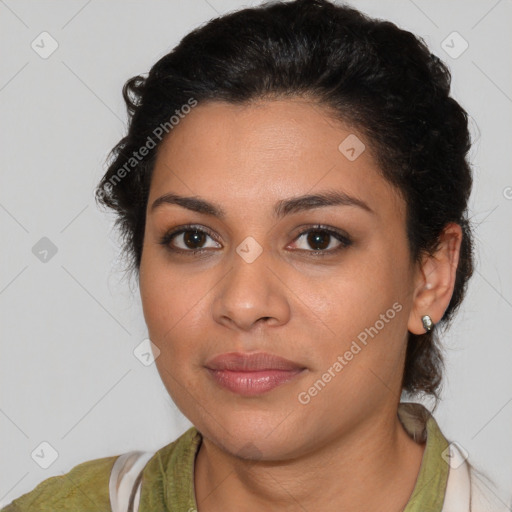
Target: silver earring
(427, 323)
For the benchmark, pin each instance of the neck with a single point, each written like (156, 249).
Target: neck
(373, 468)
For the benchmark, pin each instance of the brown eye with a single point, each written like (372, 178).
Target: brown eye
(188, 240)
(318, 239)
(193, 238)
(322, 241)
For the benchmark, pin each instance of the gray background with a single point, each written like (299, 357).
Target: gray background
(70, 324)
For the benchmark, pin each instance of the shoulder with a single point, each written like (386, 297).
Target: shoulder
(469, 489)
(485, 496)
(84, 487)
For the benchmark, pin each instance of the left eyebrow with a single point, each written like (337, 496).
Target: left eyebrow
(319, 200)
(282, 208)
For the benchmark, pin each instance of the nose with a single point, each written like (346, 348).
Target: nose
(251, 294)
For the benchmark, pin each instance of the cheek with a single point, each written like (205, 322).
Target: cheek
(174, 306)
(365, 308)
(355, 298)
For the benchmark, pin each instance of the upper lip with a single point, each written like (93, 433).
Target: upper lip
(247, 362)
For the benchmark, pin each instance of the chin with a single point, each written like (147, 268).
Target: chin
(253, 436)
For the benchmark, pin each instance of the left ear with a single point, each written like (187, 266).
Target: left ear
(435, 279)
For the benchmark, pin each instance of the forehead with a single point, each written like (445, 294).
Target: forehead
(246, 154)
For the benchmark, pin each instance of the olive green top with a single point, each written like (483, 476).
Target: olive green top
(168, 477)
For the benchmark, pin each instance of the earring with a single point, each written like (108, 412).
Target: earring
(427, 323)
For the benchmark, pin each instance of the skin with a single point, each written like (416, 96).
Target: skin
(345, 449)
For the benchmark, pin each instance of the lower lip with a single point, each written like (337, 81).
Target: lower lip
(252, 383)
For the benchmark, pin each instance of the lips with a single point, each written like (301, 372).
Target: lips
(252, 374)
(251, 362)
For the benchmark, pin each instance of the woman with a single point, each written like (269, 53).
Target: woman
(292, 192)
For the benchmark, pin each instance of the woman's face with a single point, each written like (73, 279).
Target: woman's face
(333, 301)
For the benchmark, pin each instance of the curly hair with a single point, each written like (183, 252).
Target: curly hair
(369, 73)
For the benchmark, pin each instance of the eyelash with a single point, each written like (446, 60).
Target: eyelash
(344, 240)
